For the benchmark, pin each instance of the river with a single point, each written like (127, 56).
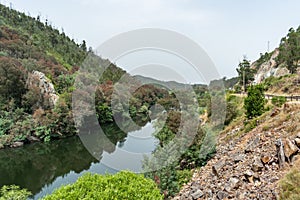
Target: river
(43, 167)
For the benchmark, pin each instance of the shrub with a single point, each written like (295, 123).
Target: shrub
(255, 101)
(184, 176)
(13, 192)
(278, 101)
(231, 109)
(123, 185)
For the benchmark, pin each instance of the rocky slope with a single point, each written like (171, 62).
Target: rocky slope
(268, 66)
(249, 166)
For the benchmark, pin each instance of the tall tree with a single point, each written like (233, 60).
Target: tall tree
(245, 73)
(289, 50)
(12, 80)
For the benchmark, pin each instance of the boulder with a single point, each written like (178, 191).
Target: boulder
(238, 158)
(33, 139)
(280, 153)
(17, 144)
(252, 145)
(289, 148)
(257, 165)
(232, 184)
(222, 195)
(216, 168)
(197, 194)
(46, 88)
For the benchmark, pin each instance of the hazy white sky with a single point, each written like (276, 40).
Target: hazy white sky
(226, 29)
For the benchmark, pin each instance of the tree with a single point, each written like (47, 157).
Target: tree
(12, 80)
(289, 50)
(255, 101)
(245, 73)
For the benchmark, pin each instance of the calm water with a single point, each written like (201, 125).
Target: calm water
(41, 168)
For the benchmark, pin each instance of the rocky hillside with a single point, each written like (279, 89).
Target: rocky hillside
(282, 61)
(250, 165)
(268, 68)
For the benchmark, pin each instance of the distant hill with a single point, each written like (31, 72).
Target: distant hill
(169, 84)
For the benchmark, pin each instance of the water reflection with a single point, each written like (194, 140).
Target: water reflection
(43, 167)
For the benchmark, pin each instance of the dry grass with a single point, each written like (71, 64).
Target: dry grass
(290, 184)
(285, 85)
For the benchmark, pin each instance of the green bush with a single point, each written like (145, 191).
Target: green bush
(231, 109)
(123, 185)
(278, 101)
(184, 176)
(13, 192)
(255, 101)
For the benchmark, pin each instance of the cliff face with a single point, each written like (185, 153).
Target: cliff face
(46, 89)
(268, 68)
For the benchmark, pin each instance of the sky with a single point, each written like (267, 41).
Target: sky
(226, 29)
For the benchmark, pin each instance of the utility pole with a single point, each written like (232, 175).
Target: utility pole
(268, 46)
(244, 81)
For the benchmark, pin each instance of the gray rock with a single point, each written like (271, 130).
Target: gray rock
(289, 148)
(252, 145)
(257, 165)
(17, 144)
(232, 184)
(249, 173)
(216, 168)
(238, 157)
(197, 194)
(33, 139)
(222, 195)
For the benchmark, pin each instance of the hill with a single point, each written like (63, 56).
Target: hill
(38, 65)
(282, 61)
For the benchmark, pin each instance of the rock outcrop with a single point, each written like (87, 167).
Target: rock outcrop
(47, 94)
(269, 68)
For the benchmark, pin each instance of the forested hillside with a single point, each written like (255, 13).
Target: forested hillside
(38, 65)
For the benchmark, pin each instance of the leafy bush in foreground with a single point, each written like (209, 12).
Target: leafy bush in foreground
(13, 192)
(123, 185)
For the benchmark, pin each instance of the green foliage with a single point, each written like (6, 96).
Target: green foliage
(245, 73)
(123, 185)
(255, 101)
(167, 180)
(104, 113)
(263, 58)
(278, 101)
(13, 192)
(249, 125)
(289, 50)
(65, 83)
(231, 108)
(12, 82)
(184, 176)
